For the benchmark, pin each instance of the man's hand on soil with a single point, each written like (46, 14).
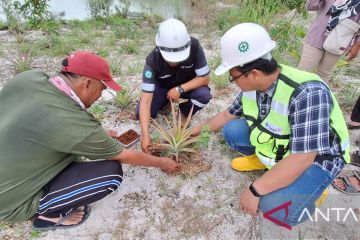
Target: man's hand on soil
(248, 202)
(168, 165)
(145, 143)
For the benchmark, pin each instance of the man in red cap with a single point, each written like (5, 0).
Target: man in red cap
(46, 128)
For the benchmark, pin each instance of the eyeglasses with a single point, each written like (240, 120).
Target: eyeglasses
(231, 79)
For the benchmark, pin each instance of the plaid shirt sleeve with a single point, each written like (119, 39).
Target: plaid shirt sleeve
(309, 118)
(236, 108)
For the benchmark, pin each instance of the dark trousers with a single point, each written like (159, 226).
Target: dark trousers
(79, 184)
(355, 114)
(198, 97)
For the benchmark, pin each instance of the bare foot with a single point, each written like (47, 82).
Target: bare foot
(73, 218)
(355, 182)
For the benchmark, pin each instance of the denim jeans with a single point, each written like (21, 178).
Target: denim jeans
(236, 134)
(302, 193)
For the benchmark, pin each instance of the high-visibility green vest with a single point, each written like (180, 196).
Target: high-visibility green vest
(270, 137)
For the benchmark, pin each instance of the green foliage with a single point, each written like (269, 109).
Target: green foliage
(19, 62)
(34, 11)
(219, 81)
(115, 66)
(100, 8)
(123, 7)
(3, 25)
(274, 15)
(134, 69)
(130, 47)
(347, 96)
(156, 137)
(51, 27)
(14, 19)
(103, 52)
(204, 138)
(177, 140)
(35, 234)
(23, 14)
(125, 98)
(125, 28)
(97, 110)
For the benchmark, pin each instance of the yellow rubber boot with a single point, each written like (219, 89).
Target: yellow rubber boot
(320, 201)
(247, 163)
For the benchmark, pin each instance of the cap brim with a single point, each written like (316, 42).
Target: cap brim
(221, 69)
(176, 56)
(112, 85)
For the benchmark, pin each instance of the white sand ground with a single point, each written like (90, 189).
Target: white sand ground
(153, 205)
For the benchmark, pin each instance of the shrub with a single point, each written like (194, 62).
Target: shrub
(204, 138)
(14, 19)
(123, 7)
(97, 110)
(100, 8)
(34, 11)
(274, 15)
(125, 98)
(19, 62)
(348, 96)
(177, 140)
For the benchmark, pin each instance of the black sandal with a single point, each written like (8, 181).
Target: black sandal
(44, 225)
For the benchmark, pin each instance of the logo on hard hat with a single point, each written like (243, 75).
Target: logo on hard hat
(243, 46)
(148, 74)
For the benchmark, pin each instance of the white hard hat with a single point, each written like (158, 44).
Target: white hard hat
(173, 40)
(243, 44)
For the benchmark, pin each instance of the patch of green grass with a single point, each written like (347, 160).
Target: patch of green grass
(204, 138)
(115, 67)
(77, 25)
(4, 226)
(130, 47)
(134, 69)
(20, 38)
(347, 96)
(273, 16)
(352, 72)
(97, 110)
(125, 98)
(111, 41)
(19, 62)
(103, 52)
(219, 82)
(35, 234)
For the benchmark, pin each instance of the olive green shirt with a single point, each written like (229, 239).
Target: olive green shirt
(41, 132)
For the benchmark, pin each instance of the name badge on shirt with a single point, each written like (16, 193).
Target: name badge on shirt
(187, 66)
(165, 76)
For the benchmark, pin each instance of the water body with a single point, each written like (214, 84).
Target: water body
(78, 9)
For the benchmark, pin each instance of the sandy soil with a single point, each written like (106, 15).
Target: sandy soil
(153, 205)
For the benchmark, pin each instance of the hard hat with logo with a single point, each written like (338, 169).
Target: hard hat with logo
(173, 40)
(243, 44)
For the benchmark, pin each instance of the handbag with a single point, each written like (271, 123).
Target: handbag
(340, 37)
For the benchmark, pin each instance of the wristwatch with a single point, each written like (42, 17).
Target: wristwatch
(180, 89)
(254, 191)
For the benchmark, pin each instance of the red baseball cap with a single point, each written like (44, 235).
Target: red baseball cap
(90, 65)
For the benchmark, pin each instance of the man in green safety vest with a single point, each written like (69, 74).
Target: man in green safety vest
(284, 120)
